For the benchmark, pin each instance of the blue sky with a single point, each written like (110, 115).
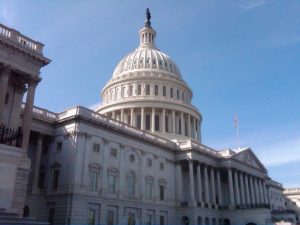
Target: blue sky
(237, 56)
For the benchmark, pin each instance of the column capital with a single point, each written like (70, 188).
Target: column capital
(6, 70)
(33, 82)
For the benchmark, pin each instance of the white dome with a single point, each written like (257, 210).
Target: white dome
(144, 58)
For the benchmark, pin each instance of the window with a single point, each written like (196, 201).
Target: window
(148, 89)
(214, 221)
(147, 122)
(149, 188)
(130, 90)
(113, 152)
(131, 158)
(55, 179)
(167, 124)
(138, 121)
(51, 216)
(93, 180)
(110, 217)
(111, 183)
(164, 91)
(96, 147)
(156, 90)
(91, 216)
(149, 162)
(161, 165)
(171, 92)
(177, 94)
(199, 220)
(148, 219)
(131, 219)
(161, 220)
(41, 180)
(139, 91)
(6, 98)
(131, 185)
(206, 221)
(156, 122)
(161, 192)
(58, 146)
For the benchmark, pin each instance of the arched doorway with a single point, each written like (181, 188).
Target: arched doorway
(185, 220)
(226, 221)
(250, 223)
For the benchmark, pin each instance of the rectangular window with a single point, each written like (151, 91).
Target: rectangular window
(148, 187)
(149, 162)
(139, 92)
(161, 220)
(55, 179)
(131, 186)
(171, 92)
(147, 122)
(91, 216)
(96, 147)
(164, 91)
(131, 219)
(41, 180)
(162, 192)
(110, 217)
(51, 216)
(93, 180)
(113, 152)
(111, 183)
(157, 123)
(149, 219)
(167, 124)
(161, 166)
(177, 94)
(130, 90)
(6, 98)
(138, 121)
(156, 89)
(58, 146)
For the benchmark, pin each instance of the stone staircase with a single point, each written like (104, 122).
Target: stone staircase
(13, 218)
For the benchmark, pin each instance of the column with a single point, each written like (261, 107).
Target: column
(189, 126)
(261, 191)
(27, 113)
(153, 120)
(206, 185)
(266, 193)
(231, 197)
(182, 123)
(248, 200)
(178, 182)
(213, 189)
(242, 189)
(173, 122)
(237, 190)
(256, 190)
(192, 190)
(194, 126)
(122, 115)
(199, 183)
(36, 172)
(142, 119)
(163, 121)
(131, 116)
(253, 201)
(219, 188)
(4, 78)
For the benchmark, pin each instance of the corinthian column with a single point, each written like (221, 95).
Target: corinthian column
(142, 119)
(199, 183)
(28, 113)
(237, 191)
(242, 189)
(163, 120)
(231, 197)
(248, 200)
(192, 190)
(206, 190)
(219, 189)
(179, 182)
(182, 124)
(213, 189)
(153, 120)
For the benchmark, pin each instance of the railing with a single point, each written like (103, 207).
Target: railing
(284, 211)
(194, 144)
(20, 39)
(10, 136)
(292, 191)
(42, 113)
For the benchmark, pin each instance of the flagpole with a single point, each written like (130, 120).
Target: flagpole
(237, 130)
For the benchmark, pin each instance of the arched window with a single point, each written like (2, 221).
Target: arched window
(131, 185)
(156, 90)
(148, 89)
(112, 180)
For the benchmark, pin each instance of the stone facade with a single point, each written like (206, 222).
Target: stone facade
(137, 159)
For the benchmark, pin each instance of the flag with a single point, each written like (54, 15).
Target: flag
(236, 120)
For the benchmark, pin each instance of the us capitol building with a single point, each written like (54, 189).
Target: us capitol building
(137, 159)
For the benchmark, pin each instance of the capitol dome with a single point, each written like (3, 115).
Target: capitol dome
(147, 91)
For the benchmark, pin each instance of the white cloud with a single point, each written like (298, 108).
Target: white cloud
(246, 5)
(280, 153)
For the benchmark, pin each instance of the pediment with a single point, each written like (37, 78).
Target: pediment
(248, 157)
